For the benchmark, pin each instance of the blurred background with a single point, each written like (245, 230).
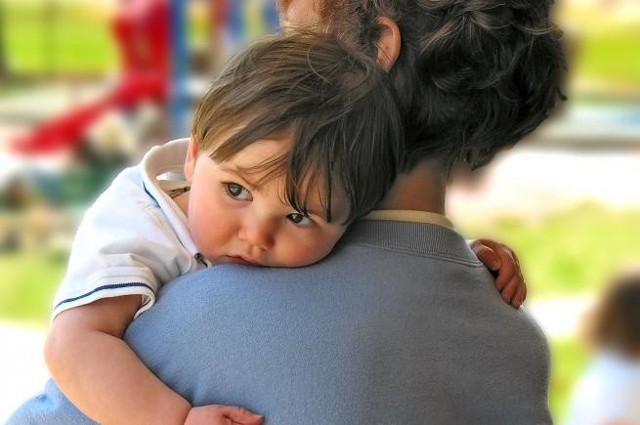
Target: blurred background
(87, 87)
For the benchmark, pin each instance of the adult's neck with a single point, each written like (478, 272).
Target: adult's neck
(421, 189)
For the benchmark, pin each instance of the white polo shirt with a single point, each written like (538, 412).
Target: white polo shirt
(134, 238)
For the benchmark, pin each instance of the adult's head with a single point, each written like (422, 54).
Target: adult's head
(474, 76)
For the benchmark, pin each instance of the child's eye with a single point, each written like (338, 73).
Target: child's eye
(237, 191)
(299, 218)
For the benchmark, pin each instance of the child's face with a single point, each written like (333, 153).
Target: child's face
(235, 217)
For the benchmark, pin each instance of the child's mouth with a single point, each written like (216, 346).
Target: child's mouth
(241, 260)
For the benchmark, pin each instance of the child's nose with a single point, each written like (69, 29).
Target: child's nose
(257, 232)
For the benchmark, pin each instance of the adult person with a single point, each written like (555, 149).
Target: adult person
(401, 324)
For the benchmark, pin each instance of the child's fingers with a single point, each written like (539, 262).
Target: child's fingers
(510, 269)
(504, 264)
(519, 297)
(222, 415)
(506, 275)
(509, 290)
(486, 254)
(515, 291)
(239, 415)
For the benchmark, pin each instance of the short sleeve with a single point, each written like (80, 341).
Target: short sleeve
(124, 246)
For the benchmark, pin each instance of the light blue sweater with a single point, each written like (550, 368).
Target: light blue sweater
(401, 325)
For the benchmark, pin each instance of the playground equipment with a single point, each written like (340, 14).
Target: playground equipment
(141, 29)
(151, 36)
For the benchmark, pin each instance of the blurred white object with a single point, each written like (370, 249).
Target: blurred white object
(608, 393)
(22, 366)
(124, 134)
(562, 317)
(601, 127)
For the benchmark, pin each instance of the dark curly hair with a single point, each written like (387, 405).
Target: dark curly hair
(473, 76)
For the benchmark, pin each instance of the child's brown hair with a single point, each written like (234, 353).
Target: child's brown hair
(337, 106)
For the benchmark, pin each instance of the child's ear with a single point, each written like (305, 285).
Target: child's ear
(389, 43)
(193, 150)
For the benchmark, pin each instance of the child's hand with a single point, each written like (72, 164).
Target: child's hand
(503, 263)
(217, 414)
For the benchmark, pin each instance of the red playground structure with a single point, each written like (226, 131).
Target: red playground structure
(142, 32)
(151, 36)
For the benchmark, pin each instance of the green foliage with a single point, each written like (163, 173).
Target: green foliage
(57, 37)
(568, 362)
(66, 37)
(28, 284)
(609, 55)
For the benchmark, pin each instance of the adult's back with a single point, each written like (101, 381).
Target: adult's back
(402, 325)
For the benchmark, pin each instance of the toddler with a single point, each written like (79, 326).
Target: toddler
(297, 138)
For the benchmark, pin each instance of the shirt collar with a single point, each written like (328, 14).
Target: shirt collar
(412, 216)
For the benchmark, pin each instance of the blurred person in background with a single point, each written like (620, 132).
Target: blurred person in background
(609, 391)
